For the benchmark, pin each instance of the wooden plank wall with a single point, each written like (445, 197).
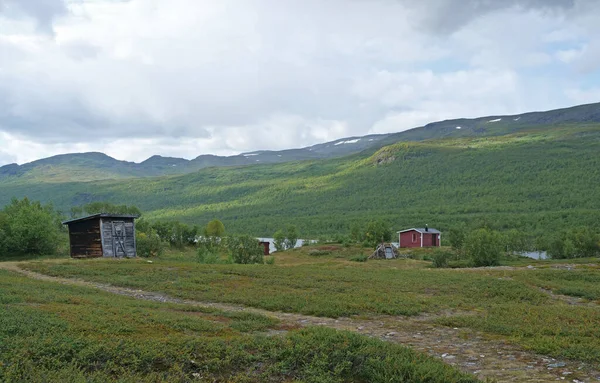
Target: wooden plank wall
(107, 237)
(108, 242)
(85, 239)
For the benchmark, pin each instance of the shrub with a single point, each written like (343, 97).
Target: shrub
(561, 248)
(359, 258)
(214, 228)
(175, 233)
(575, 243)
(209, 249)
(516, 241)
(245, 249)
(456, 236)
(291, 237)
(377, 232)
(270, 260)
(279, 240)
(29, 228)
(441, 258)
(149, 244)
(483, 247)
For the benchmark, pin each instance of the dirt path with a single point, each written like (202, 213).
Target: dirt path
(467, 350)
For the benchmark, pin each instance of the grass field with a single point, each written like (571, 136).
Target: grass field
(51, 332)
(510, 302)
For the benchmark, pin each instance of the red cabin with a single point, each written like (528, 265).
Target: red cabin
(424, 237)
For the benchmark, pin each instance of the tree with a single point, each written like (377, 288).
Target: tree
(214, 228)
(356, 233)
(291, 237)
(516, 241)
(456, 236)
(484, 247)
(575, 243)
(245, 249)
(586, 242)
(175, 233)
(279, 240)
(29, 228)
(561, 248)
(376, 232)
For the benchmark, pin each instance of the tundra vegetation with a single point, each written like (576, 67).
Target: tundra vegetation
(79, 334)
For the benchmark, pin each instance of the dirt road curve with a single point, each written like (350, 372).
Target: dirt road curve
(469, 351)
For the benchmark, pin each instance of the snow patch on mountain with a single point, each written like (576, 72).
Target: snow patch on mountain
(347, 142)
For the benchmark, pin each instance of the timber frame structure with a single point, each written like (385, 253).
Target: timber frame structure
(384, 251)
(102, 235)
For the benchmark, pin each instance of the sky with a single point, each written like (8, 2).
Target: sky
(134, 78)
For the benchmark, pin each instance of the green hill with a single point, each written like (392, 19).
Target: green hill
(98, 166)
(539, 179)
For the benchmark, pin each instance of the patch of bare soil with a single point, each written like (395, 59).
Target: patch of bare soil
(469, 351)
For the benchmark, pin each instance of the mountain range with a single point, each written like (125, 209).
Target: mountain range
(535, 172)
(98, 166)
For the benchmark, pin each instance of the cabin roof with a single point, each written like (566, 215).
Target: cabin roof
(101, 215)
(421, 230)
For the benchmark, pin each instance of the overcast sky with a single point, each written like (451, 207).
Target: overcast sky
(189, 77)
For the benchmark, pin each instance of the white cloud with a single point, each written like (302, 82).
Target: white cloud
(187, 77)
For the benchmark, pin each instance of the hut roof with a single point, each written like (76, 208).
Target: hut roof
(101, 215)
(421, 230)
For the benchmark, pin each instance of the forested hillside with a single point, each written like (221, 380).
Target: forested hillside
(537, 180)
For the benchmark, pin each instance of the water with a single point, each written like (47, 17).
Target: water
(535, 254)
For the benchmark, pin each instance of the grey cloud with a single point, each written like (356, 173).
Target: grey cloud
(259, 74)
(447, 16)
(43, 11)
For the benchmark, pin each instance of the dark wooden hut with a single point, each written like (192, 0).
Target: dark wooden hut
(102, 235)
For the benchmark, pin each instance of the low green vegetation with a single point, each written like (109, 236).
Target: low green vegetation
(51, 332)
(326, 280)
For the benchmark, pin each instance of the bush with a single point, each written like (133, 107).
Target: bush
(149, 244)
(377, 232)
(29, 228)
(359, 258)
(561, 248)
(279, 240)
(441, 258)
(209, 249)
(456, 236)
(245, 249)
(483, 247)
(214, 228)
(291, 237)
(175, 233)
(575, 243)
(516, 241)
(270, 260)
